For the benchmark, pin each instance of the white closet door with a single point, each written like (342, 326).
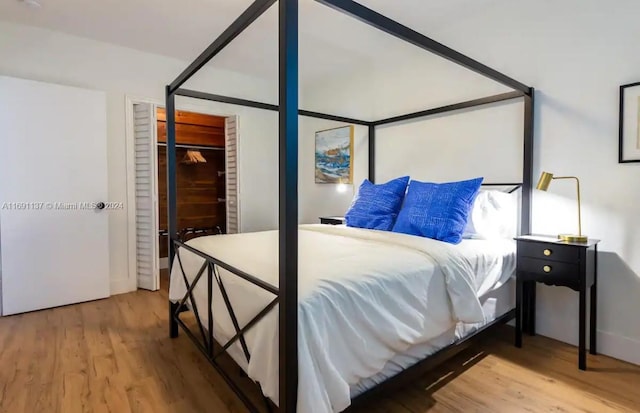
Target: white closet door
(53, 171)
(232, 177)
(147, 260)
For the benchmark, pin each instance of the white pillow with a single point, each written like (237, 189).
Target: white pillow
(494, 215)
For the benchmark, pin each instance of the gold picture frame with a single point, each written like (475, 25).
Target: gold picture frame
(334, 155)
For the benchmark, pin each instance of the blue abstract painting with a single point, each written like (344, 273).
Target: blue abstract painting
(334, 156)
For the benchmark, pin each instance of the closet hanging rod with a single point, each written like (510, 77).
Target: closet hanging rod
(202, 147)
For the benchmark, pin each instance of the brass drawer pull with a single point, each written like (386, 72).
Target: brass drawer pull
(546, 268)
(547, 252)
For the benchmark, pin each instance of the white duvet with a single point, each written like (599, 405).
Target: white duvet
(364, 296)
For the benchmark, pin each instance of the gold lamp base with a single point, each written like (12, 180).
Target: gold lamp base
(573, 238)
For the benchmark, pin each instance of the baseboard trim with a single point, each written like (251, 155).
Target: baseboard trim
(619, 347)
(122, 286)
(609, 344)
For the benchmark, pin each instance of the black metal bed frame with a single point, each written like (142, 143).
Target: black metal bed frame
(285, 295)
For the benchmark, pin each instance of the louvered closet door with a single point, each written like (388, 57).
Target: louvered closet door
(147, 260)
(232, 181)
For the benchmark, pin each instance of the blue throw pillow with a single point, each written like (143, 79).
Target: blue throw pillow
(377, 206)
(438, 211)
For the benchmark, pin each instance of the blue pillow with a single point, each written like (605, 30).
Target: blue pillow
(438, 211)
(377, 206)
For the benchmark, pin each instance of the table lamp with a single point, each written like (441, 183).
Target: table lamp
(543, 185)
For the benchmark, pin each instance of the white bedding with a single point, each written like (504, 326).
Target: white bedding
(364, 297)
(495, 303)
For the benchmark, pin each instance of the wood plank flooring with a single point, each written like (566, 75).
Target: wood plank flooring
(114, 355)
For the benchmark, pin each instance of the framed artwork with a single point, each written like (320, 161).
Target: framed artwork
(629, 140)
(334, 156)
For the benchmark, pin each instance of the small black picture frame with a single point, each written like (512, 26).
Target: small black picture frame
(629, 127)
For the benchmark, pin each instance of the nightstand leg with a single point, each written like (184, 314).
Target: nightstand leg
(532, 308)
(519, 297)
(582, 350)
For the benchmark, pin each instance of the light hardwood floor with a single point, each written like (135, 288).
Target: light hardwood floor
(114, 356)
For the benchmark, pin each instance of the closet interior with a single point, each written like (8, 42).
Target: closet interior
(200, 142)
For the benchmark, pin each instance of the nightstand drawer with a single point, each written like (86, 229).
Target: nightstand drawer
(548, 251)
(547, 271)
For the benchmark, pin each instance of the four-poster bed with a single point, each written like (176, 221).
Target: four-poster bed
(285, 294)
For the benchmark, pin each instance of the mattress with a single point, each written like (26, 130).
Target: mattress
(364, 298)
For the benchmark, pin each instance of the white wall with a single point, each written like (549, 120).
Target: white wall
(48, 56)
(576, 53)
(455, 146)
(318, 200)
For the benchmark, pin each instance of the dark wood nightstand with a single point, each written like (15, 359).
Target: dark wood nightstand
(553, 262)
(332, 220)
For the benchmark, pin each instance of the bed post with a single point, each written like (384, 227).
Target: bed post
(528, 318)
(288, 205)
(172, 195)
(372, 153)
(527, 173)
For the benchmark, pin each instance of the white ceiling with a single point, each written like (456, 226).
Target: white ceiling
(330, 42)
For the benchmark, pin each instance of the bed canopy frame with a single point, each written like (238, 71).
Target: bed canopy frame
(286, 294)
